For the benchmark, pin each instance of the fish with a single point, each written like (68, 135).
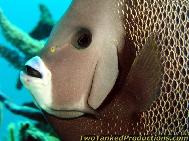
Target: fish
(113, 68)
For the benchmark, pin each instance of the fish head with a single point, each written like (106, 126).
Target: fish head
(78, 66)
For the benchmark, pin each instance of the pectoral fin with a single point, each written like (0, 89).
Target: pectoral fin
(144, 79)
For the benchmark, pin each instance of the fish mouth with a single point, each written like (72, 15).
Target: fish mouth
(63, 114)
(69, 114)
(87, 110)
(30, 71)
(35, 68)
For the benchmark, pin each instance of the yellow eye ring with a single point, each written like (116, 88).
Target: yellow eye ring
(52, 49)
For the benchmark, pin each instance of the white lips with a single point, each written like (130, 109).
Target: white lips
(40, 88)
(37, 64)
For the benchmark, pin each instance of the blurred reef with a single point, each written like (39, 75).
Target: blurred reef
(25, 45)
(28, 131)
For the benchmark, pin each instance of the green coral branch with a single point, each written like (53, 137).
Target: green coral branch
(28, 44)
(45, 24)
(19, 38)
(11, 129)
(11, 56)
(25, 110)
(23, 41)
(29, 131)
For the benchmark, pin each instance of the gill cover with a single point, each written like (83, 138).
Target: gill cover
(105, 76)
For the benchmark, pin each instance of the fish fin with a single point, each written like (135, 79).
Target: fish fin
(144, 79)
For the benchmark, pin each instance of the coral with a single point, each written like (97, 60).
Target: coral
(38, 131)
(14, 58)
(28, 131)
(29, 111)
(28, 44)
(44, 26)
(11, 55)
(11, 129)
(25, 45)
(19, 38)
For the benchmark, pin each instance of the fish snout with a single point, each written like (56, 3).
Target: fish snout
(35, 67)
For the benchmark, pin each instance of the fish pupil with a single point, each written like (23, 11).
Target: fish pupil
(84, 40)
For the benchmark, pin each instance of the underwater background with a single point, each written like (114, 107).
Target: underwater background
(24, 15)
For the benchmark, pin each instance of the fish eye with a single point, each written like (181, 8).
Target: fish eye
(52, 49)
(82, 39)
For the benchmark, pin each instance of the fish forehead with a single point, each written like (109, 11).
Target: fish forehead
(93, 15)
(168, 20)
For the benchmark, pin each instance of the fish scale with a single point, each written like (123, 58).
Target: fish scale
(169, 21)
